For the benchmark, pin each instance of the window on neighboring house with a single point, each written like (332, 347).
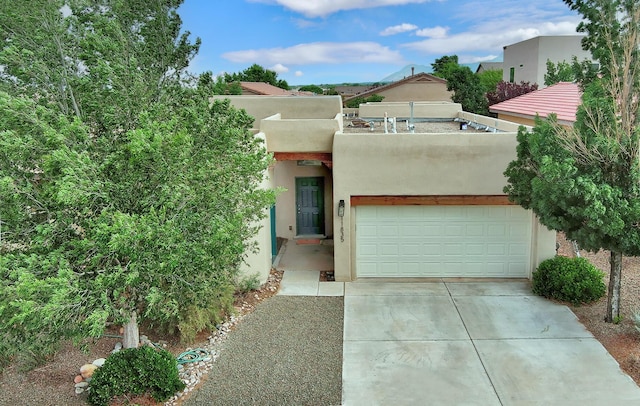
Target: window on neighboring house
(512, 74)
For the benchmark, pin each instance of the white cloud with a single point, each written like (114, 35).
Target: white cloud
(279, 68)
(397, 29)
(299, 73)
(490, 37)
(318, 53)
(434, 32)
(476, 59)
(322, 8)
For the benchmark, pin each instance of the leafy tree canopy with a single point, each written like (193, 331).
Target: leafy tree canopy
(311, 88)
(581, 72)
(585, 181)
(256, 73)
(466, 86)
(489, 79)
(122, 191)
(506, 90)
(357, 101)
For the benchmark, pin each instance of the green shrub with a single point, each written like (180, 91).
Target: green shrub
(136, 371)
(248, 283)
(573, 280)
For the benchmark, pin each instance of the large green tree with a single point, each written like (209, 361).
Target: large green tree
(466, 86)
(563, 71)
(124, 196)
(586, 181)
(489, 79)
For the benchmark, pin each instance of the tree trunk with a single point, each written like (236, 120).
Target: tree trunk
(615, 278)
(131, 335)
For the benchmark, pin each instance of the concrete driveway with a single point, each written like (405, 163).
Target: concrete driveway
(471, 343)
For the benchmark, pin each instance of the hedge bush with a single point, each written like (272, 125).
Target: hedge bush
(573, 280)
(136, 371)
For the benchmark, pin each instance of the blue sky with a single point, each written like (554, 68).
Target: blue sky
(335, 41)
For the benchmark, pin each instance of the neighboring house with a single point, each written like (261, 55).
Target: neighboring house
(526, 61)
(562, 99)
(418, 87)
(484, 66)
(348, 91)
(424, 204)
(266, 89)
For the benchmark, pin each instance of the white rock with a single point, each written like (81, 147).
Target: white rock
(79, 390)
(99, 362)
(82, 384)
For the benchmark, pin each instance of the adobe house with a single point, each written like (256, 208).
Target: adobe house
(561, 98)
(425, 202)
(418, 87)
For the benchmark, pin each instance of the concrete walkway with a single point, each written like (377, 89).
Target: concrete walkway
(462, 343)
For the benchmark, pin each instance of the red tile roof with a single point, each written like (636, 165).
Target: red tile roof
(562, 98)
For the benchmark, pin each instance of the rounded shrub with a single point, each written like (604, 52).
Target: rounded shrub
(136, 371)
(573, 280)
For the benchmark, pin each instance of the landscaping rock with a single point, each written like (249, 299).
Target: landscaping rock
(99, 362)
(87, 370)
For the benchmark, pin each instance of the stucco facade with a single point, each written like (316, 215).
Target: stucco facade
(404, 168)
(526, 61)
(418, 87)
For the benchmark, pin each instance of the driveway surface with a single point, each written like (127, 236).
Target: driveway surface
(471, 343)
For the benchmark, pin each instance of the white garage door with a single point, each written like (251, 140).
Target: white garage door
(443, 241)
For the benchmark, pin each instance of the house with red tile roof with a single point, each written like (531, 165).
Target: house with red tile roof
(562, 99)
(266, 89)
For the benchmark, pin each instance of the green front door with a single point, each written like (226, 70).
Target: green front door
(310, 205)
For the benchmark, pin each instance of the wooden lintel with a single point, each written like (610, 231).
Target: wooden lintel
(302, 156)
(442, 200)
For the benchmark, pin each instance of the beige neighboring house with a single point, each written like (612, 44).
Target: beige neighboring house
(485, 66)
(561, 98)
(418, 87)
(526, 61)
(397, 205)
(266, 89)
(348, 91)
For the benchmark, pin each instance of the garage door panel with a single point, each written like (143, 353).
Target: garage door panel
(443, 241)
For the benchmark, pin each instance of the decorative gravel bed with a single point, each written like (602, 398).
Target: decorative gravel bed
(287, 352)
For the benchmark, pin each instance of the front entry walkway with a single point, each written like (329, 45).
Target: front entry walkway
(302, 264)
(467, 343)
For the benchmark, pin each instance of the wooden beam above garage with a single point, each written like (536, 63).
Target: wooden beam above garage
(442, 200)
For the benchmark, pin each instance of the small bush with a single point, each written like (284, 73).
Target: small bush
(248, 283)
(573, 280)
(136, 371)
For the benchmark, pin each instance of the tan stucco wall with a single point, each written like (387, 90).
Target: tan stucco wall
(300, 107)
(417, 91)
(418, 165)
(515, 119)
(285, 174)
(259, 262)
(403, 109)
(302, 135)
(529, 58)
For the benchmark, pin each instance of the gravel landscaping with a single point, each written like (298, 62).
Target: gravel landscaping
(287, 352)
